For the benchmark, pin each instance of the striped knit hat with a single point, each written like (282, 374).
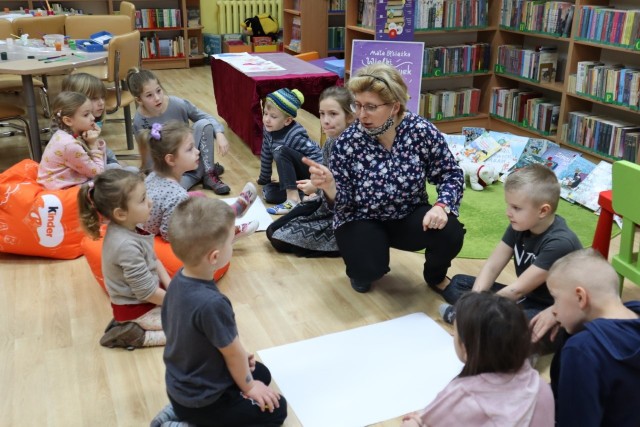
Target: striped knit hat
(288, 101)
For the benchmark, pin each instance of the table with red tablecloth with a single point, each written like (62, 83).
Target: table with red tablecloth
(239, 95)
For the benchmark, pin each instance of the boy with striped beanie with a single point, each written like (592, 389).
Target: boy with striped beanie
(286, 142)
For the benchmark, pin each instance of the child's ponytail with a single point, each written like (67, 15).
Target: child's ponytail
(136, 79)
(89, 215)
(98, 199)
(160, 140)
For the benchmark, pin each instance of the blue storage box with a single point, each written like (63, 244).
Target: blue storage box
(89, 45)
(102, 38)
(335, 66)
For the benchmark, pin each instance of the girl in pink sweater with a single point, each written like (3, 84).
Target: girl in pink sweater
(497, 386)
(76, 153)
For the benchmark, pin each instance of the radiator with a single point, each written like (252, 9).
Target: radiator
(232, 12)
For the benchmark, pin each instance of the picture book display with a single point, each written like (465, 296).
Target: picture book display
(481, 148)
(576, 172)
(471, 133)
(559, 158)
(512, 147)
(589, 189)
(394, 20)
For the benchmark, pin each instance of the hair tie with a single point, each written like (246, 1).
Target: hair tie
(91, 186)
(59, 113)
(155, 131)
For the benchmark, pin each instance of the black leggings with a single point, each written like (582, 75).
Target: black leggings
(364, 245)
(231, 409)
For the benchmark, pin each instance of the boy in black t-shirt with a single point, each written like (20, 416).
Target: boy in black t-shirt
(211, 379)
(535, 238)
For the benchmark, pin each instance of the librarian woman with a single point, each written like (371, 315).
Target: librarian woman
(379, 169)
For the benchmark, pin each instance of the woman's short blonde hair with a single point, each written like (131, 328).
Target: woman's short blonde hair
(384, 80)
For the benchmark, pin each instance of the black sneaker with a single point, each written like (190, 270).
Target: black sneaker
(448, 313)
(218, 169)
(212, 182)
(361, 286)
(127, 335)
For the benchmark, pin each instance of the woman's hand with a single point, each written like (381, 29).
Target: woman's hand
(321, 178)
(435, 219)
(411, 420)
(306, 186)
(223, 144)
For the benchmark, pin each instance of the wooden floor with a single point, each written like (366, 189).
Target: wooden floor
(52, 313)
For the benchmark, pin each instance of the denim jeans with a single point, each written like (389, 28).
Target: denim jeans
(290, 167)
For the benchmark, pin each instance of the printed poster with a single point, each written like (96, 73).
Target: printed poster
(406, 57)
(394, 20)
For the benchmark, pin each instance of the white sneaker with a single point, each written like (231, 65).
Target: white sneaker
(247, 197)
(246, 229)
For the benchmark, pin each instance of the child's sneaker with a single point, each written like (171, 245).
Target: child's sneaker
(212, 182)
(246, 229)
(246, 197)
(282, 208)
(127, 335)
(218, 169)
(448, 313)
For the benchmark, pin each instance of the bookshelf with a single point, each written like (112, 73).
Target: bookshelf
(571, 50)
(306, 21)
(183, 33)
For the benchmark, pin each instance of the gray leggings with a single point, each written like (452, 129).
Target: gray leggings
(204, 136)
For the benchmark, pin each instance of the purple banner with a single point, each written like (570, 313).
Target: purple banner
(394, 20)
(406, 57)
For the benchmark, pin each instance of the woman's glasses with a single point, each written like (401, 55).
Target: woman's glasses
(356, 107)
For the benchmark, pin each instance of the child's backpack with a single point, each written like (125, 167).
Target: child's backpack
(262, 25)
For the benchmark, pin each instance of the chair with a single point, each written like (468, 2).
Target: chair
(82, 26)
(308, 56)
(129, 9)
(626, 176)
(38, 26)
(13, 82)
(10, 112)
(124, 54)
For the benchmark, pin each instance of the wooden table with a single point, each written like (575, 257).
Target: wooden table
(27, 68)
(239, 95)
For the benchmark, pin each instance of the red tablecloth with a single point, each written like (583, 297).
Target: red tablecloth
(239, 95)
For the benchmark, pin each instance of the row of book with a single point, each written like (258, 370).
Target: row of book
(605, 135)
(335, 38)
(539, 64)
(553, 17)
(158, 18)
(609, 25)
(468, 58)
(434, 14)
(613, 84)
(337, 5)
(155, 47)
(527, 108)
(440, 104)
(581, 180)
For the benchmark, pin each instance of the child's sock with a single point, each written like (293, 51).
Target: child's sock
(154, 339)
(177, 424)
(244, 200)
(166, 414)
(282, 208)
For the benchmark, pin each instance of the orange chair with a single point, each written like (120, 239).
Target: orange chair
(308, 56)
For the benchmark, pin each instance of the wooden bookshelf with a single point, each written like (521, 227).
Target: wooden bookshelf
(313, 20)
(101, 7)
(571, 50)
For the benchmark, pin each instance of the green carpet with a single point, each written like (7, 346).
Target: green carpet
(483, 215)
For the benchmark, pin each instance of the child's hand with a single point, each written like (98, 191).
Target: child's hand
(542, 323)
(223, 144)
(411, 420)
(264, 396)
(252, 362)
(306, 186)
(91, 136)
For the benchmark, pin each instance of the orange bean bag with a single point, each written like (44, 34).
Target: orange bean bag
(93, 254)
(35, 221)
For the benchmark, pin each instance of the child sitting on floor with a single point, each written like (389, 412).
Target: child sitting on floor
(134, 277)
(156, 107)
(286, 142)
(211, 379)
(595, 375)
(497, 386)
(174, 152)
(76, 153)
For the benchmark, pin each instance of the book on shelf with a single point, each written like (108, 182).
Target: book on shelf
(574, 174)
(588, 191)
(547, 63)
(193, 17)
(194, 45)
